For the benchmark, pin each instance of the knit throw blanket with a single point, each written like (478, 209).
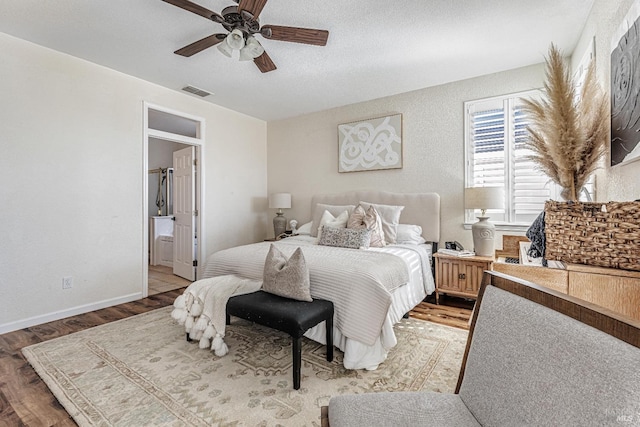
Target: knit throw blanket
(202, 308)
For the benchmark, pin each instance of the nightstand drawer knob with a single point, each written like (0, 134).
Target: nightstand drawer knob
(462, 276)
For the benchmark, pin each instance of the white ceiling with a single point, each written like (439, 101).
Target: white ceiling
(376, 48)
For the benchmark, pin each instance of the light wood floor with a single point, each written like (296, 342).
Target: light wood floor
(25, 400)
(451, 311)
(162, 279)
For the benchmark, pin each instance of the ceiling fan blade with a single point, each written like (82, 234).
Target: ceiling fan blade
(296, 35)
(254, 7)
(195, 8)
(201, 45)
(264, 63)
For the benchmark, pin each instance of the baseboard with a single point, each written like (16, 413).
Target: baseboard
(57, 315)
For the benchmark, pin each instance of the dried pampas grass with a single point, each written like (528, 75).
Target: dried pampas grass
(568, 136)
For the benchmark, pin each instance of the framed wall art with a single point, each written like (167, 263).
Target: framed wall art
(371, 144)
(625, 89)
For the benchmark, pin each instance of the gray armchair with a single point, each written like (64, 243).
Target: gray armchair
(534, 358)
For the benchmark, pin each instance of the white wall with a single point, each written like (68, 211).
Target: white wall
(303, 151)
(622, 182)
(71, 192)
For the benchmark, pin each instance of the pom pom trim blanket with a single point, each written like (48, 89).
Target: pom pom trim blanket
(202, 308)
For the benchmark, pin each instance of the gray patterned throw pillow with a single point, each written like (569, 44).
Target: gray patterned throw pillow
(345, 237)
(287, 278)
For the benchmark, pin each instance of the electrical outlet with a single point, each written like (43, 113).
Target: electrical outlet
(67, 282)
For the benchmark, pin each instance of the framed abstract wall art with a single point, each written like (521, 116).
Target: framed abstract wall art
(371, 144)
(625, 89)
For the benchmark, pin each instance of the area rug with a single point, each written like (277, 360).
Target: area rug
(141, 371)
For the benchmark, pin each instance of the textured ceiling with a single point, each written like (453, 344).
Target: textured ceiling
(376, 48)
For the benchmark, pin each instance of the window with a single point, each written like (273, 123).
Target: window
(495, 155)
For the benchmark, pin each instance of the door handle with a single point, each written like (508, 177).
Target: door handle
(462, 276)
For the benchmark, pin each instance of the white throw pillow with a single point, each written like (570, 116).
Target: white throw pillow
(335, 222)
(305, 228)
(334, 210)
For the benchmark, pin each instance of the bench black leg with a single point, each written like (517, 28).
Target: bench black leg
(297, 361)
(188, 339)
(329, 332)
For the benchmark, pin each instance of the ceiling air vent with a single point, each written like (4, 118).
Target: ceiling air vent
(194, 90)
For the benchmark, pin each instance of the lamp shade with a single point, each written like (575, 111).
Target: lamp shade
(484, 198)
(280, 201)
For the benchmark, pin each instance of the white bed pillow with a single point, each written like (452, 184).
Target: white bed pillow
(304, 228)
(329, 220)
(409, 234)
(390, 216)
(334, 210)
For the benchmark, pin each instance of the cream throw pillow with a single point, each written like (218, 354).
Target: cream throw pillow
(371, 221)
(318, 211)
(329, 220)
(390, 219)
(287, 278)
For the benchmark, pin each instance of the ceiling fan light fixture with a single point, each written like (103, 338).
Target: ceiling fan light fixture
(251, 50)
(235, 39)
(225, 49)
(241, 21)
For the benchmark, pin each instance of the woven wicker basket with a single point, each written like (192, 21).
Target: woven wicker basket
(601, 234)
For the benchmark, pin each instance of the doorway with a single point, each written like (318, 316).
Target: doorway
(171, 259)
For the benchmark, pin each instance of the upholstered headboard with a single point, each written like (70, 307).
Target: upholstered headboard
(421, 209)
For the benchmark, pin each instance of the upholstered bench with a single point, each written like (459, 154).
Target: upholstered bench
(286, 315)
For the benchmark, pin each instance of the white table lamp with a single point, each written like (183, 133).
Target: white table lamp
(279, 201)
(483, 231)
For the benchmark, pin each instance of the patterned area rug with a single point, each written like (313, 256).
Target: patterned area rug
(141, 371)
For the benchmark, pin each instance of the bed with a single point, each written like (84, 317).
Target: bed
(368, 288)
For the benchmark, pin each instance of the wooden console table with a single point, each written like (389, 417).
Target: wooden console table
(617, 290)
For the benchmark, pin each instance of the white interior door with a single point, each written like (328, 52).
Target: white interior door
(184, 211)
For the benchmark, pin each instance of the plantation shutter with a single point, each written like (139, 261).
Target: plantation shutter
(486, 151)
(531, 188)
(496, 156)
(495, 137)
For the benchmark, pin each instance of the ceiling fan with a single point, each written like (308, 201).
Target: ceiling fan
(242, 23)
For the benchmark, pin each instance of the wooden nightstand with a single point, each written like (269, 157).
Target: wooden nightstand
(460, 276)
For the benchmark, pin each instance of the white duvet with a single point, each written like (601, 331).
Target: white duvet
(371, 289)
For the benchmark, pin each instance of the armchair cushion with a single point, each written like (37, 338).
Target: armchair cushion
(530, 365)
(534, 357)
(403, 408)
